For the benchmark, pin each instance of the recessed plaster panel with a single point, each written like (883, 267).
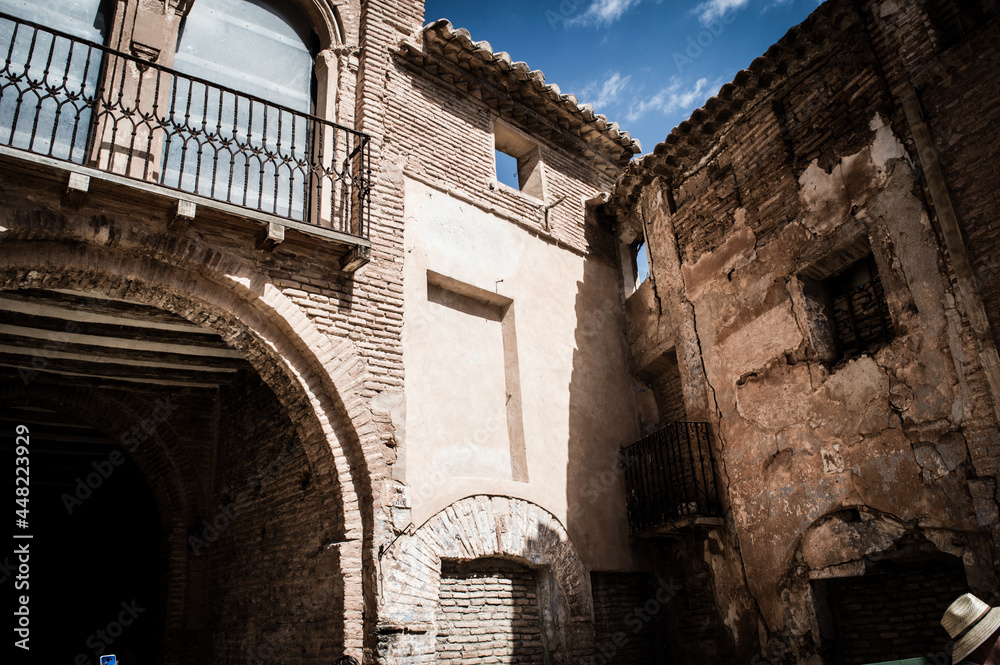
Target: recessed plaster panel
(577, 408)
(463, 365)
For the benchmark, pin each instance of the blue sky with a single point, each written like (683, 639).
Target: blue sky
(645, 64)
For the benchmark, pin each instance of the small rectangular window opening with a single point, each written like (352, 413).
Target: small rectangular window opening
(641, 263)
(860, 314)
(507, 169)
(517, 161)
(852, 317)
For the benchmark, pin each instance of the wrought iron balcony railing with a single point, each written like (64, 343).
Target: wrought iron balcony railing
(669, 477)
(82, 103)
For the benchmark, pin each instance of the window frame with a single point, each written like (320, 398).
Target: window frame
(528, 154)
(820, 284)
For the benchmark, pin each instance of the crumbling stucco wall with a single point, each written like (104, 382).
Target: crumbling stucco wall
(826, 463)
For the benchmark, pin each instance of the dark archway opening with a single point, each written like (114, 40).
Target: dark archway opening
(177, 516)
(893, 611)
(95, 547)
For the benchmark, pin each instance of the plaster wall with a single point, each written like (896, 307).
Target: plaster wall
(462, 365)
(827, 468)
(576, 409)
(800, 439)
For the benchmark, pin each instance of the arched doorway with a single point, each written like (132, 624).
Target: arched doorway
(95, 565)
(172, 484)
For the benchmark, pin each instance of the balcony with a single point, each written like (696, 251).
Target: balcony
(89, 110)
(670, 481)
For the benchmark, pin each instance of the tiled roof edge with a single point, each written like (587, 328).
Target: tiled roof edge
(531, 80)
(689, 141)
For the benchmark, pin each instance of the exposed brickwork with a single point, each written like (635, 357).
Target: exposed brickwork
(440, 116)
(624, 632)
(669, 391)
(972, 175)
(859, 314)
(267, 511)
(775, 142)
(488, 613)
(812, 153)
(474, 528)
(202, 302)
(895, 613)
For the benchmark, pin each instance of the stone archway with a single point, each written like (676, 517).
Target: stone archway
(483, 527)
(901, 574)
(318, 380)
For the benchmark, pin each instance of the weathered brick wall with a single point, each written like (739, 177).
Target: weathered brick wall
(488, 613)
(963, 80)
(895, 613)
(816, 156)
(444, 137)
(764, 155)
(481, 527)
(947, 47)
(274, 584)
(624, 627)
(669, 391)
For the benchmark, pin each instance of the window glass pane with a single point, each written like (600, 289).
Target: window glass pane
(49, 83)
(227, 146)
(80, 18)
(249, 46)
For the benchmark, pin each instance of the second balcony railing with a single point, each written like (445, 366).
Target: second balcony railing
(82, 103)
(669, 478)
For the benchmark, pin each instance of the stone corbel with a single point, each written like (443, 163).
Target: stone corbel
(147, 33)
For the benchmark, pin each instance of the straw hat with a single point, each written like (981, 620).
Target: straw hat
(970, 622)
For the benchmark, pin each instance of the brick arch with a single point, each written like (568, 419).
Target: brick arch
(479, 527)
(318, 380)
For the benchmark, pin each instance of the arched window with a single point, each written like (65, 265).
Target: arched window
(49, 77)
(240, 132)
(253, 46)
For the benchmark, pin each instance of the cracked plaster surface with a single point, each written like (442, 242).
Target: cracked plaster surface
(801, 440)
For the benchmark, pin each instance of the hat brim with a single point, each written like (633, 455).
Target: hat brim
(979, 634)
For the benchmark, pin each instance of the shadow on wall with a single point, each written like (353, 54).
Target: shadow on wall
(602, 418)
(495, 604)
(273, 579)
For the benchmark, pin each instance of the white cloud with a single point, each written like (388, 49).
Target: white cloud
(710, 10)
(675, 97)
(604, 12)
(610, 91)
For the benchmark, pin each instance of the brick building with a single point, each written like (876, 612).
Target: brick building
(821, 297)
(259, 289)
(303, 377)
